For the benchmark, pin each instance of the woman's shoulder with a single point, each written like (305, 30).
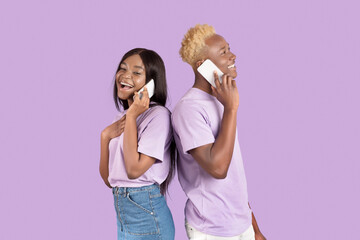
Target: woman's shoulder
(155, 113)
(159, 110)
(158, 115)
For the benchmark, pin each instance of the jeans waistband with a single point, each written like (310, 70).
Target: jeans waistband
(124, 190)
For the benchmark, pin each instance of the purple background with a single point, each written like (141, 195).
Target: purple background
(298, 120)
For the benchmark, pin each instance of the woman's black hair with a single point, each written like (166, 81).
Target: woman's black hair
(154, 69)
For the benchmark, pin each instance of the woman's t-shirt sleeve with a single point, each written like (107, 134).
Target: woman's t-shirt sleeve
(155, 137)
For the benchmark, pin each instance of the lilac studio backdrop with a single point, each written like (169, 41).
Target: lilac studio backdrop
(298, 120)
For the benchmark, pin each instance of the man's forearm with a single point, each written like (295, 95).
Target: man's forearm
(223, 147)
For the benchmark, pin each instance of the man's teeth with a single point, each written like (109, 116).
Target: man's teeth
(231, 66)
(125, 84)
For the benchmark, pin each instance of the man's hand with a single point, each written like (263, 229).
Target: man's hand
(226, 92)
(259, 236)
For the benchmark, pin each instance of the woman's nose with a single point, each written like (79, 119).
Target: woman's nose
(126, 74)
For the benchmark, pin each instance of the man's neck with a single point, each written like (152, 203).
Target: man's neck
(202, 84)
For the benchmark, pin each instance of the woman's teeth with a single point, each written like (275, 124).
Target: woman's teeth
(123, 84)
(231, 66)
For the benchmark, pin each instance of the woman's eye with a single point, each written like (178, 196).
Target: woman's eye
(122, 69)
(137, 73)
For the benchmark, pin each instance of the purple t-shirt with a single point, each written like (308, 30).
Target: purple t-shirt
(154, 139)
(215, 206)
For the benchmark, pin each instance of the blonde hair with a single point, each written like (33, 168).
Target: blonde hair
(193, 43)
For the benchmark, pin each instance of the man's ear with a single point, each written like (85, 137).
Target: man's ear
(198, 63)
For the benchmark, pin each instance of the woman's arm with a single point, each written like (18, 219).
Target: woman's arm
(110, 132)
(136, 164)
(104, 158)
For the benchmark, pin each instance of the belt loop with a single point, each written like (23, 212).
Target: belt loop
(125, 191)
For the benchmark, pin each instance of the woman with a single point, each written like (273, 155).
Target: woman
(137, 150)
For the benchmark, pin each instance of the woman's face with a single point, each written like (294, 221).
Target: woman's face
(218, 51)
(131, 77)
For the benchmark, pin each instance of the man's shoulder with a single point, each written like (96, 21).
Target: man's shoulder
(192, 100)
(187, 106)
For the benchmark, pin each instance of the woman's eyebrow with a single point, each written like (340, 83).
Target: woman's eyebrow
(139, 67)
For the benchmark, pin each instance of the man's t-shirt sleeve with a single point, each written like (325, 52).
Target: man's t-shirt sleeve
(192, 126)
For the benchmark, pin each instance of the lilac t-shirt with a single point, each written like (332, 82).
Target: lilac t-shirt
(154, 139)
(215, 206)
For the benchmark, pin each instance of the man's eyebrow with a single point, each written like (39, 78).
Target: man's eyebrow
(224, 47)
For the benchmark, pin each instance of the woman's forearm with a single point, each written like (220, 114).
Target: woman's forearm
(130, 147)
(104, 159)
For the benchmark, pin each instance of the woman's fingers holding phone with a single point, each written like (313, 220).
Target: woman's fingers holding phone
(140, 104)
(145, 94)
(145, 97)
(136, 97)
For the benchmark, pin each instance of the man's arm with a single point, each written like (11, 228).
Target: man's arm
(215, 158)
(258, 234)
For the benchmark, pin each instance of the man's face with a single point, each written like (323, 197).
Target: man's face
(218, 51)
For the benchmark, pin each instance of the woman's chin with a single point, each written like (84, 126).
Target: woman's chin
(125, 96)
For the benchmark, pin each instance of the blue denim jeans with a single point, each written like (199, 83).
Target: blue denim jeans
(142, 213)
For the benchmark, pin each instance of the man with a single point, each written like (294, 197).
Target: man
(210, 166)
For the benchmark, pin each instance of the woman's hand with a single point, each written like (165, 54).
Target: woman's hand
(114, 130)
(139, 105)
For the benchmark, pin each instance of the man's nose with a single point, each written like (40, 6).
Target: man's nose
(232, 57)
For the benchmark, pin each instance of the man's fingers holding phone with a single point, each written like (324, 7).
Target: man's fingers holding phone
(216, 80)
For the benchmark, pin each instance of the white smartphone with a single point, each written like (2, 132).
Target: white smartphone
(207, 68)
(150, 88)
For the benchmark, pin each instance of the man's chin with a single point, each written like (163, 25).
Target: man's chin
(233, 74)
